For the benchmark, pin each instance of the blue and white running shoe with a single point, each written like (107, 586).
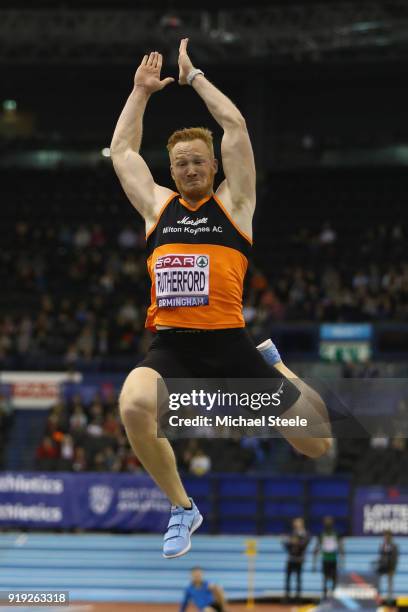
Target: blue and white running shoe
(181, 525)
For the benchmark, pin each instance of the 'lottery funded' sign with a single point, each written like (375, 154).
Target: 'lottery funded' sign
(377, 509)
(88, 501)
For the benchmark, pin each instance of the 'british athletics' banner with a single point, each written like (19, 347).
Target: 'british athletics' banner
(88, 501)
(377, 509)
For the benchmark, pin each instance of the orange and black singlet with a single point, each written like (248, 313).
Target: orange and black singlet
(197, 260)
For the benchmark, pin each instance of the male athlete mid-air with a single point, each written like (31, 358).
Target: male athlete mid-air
(198, 243)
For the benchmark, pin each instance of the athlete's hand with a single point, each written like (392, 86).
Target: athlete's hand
(184, 62)
(148, 73)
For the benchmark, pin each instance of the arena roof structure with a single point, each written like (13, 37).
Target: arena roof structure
(107, 32)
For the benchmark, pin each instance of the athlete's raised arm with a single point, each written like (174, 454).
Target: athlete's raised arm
(236, 150)
(133, 172)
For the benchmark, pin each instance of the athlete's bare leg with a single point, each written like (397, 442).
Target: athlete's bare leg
(138, 409)
(317, 439)
(219, 597)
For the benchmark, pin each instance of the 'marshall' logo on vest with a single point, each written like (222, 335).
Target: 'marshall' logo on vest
(188, 221)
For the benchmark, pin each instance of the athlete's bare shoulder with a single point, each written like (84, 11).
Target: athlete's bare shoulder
(240, 213)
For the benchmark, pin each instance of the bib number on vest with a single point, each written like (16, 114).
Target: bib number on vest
(329, 544)
(182, 280)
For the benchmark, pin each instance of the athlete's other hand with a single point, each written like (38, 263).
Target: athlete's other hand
(148, 73)
(184, 62)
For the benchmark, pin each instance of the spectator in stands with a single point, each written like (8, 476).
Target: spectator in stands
(99, 462)
(400, 418)
(111, 425)
(128, 313)
(6, 343)
(98, 238)
(71, 356)
(80, 463)
(78, 420)
(82, 237)
(329, 544)
(131, 462)
(47, 455)
(387, 562)
(379, 440)
(94, 428)
(207, 597)
(66, 453)
(96, 409)
(86, 342)
(200, 463)
(55, 428)
(112, 461)
(295, 544)
(128, 238)
(327, 234)
(187, 452)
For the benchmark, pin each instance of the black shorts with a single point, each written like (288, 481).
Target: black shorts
(330, 569)
(223, 353)
(216, 607)
(294, 566)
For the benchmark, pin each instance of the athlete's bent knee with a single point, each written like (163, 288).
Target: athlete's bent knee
(135, 414)
(217, 590)
(136, 409)
(321, 446)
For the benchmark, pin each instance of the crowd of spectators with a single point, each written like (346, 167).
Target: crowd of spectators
(90, 437)
(82, 437)
(82, 297)
(85, 295)
(325, 277)
(73, 269)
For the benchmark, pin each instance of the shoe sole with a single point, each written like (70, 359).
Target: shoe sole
(185, 550)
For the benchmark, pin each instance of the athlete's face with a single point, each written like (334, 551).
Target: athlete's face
(197, 576)
(193, 169)
(387, 536)
(328, 523)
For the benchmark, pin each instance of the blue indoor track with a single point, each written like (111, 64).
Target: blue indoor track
(130, 568)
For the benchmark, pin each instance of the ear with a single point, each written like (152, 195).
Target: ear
(215, 165)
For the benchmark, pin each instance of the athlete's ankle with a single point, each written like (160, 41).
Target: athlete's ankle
(187, 505)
